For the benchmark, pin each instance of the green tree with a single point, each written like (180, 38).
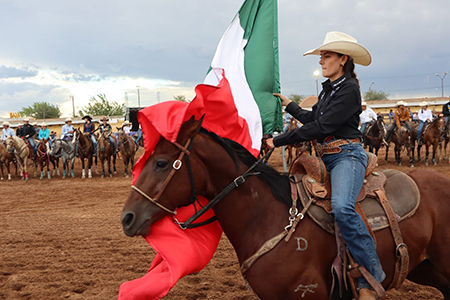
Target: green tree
(41, 110)
(99, 105)
(180, 98)
(296, 98)
(375, 95)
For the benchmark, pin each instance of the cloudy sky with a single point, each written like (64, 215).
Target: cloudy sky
(52, 49)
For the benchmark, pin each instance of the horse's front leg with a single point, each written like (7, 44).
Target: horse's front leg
(114, 163)
(1, 167)
(387, 152)
(427, 152)
(83, 171)
(435, 146)
(90, 166)
(64, 167)
(109, 166)
(41, 165)
(125, 162)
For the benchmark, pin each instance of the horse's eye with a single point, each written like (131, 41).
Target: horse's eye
(161, 164)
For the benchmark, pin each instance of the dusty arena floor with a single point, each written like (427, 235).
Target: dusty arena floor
(62, 239)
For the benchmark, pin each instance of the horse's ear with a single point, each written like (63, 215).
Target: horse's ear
(192, 127)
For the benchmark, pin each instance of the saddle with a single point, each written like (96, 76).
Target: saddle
(314, 190)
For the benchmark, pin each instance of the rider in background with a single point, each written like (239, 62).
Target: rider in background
(67, 130)
(7, 131)
(424, 116)
(446, 111)
(107, 130)
(89, 129)
(19, 130)
(44, 133)
(36, 130)
(126, 127)
(28, 132)
(401, 117)
(366, 117)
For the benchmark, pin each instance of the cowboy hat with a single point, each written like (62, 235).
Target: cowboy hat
(87, 117)
(34, 124)
(400, 103)
(68, 120)
(105, 119)
(6, 123)
(43, 124)
(364, 103)
(125, 123)
(20, 124)
(344, 44)
(26, 120)
(424, 103)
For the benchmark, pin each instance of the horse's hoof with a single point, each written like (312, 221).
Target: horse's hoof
(103, 176)
(115, 172)
(90, 176)
(412, 166)
(434, 163)
(64, 177)
(126, 176)
(83, 177)
(110, 175)
(426, 163)
(26, 178)
(1, 178)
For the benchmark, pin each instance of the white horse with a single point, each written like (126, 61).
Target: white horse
(67, 149)
(21, 151)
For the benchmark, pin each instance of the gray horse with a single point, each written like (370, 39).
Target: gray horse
(67, 149)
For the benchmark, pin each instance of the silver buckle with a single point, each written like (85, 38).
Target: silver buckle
(177, 164)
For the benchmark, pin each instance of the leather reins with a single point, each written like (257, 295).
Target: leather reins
(185, 152)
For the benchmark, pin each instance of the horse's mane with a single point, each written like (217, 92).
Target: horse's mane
(279, 184)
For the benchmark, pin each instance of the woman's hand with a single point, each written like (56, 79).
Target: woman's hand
(284, 101)
(270, 143)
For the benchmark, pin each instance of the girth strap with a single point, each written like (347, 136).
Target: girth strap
(401, 250)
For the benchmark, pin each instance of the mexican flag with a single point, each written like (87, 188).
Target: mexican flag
(248, 53)
(236, 102)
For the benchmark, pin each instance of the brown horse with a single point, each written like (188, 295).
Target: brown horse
(104, 152)
(432, 134)
(444, 143)
(292, 148)
(43, 157)
(374, 135)
(5, 159)
(257, 211)
(85, 151)
(21, 151)
(265, 147)
(401, 138)
(127, 149)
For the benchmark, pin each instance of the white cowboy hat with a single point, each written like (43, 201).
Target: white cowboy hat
(20, 124)
(400, 103)
(26, 120)
(344, 44)
(44, 124)
(6, 123)
(68, 120)
(126, 123)
(364, 103)
(424, 103)
(34, 124)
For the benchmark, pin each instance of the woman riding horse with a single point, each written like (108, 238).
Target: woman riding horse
(334, 122)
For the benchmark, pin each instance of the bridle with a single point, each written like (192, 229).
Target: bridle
(185, 152)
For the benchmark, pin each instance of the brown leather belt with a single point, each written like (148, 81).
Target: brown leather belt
(335, 146)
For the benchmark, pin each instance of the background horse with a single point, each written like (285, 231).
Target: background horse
(43, 157)
(127, 149)
(401, 137)
(85, 151)
(444, 143)
(5, 159)
(432, 134)
(375, 134)
(300, 268)
(21, 151)
(105, 151)
(290, 148)
(67, 149)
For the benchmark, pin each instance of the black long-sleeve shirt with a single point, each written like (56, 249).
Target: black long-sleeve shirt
(27, 129)
(335, 114)
(445, 109)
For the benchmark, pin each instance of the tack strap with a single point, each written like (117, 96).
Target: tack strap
(401, 251)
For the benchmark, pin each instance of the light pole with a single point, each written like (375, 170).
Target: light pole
(126, 99)
(442, 82)
(73, 104)
(316, 74)
(370, 86)
(139, 96)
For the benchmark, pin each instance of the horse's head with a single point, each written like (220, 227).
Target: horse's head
(103, 142)
(163, 184)
(121, 135)
(10, 144)
(441, 125)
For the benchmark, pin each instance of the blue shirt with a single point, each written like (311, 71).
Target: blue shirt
(7, 132)
(44, 134)
(65, 129)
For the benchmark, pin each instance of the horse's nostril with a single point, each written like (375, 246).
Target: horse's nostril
(128, 219)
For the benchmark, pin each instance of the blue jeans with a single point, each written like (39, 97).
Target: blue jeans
(363, 127)
(419, 130)
(113, 144)
(139, 136)
(32, 144)
(347, 170)
(446, 119)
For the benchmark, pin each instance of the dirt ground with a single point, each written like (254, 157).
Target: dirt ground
(62, 239)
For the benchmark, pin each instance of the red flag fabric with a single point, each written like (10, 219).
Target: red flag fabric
(183, 252)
